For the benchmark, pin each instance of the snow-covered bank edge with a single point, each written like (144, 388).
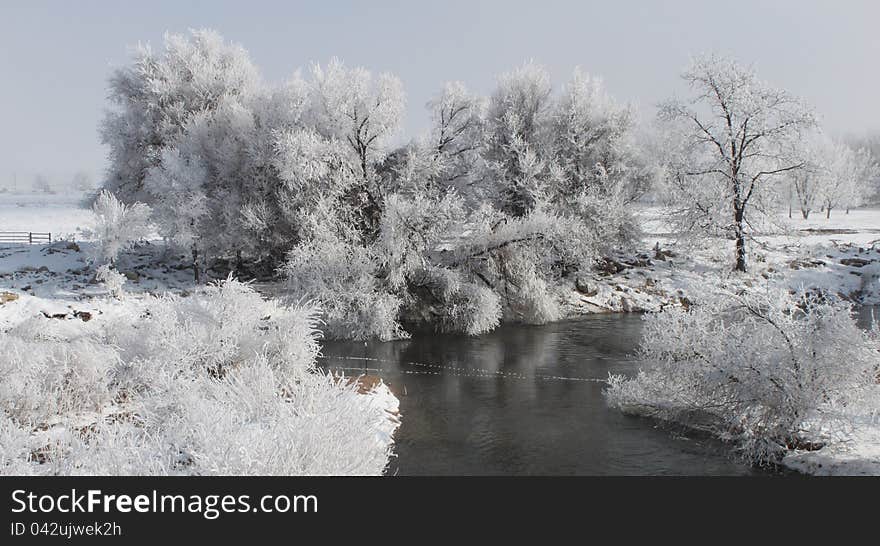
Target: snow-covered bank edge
(856, 454)
(379, 396)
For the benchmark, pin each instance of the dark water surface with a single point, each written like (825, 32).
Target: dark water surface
(524, 400)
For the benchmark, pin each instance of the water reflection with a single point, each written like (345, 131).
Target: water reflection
(523, 400)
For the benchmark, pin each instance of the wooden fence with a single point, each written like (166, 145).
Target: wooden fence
(25, 237)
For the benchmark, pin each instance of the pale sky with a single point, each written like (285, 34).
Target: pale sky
(55, 57)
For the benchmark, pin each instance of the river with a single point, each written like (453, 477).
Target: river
(524, 400)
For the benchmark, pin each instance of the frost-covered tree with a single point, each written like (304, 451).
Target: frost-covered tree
(157, 95)
(516, 138)
(870, 143)
(733, 132)
(82, 181)
(480, 218)
(458, 135)
(418, 235)
(350, 105)
(41, 184)
(589, 132)
(596, 170)
(808, 182)
(180, 201)
(522, 259)
(342, 277)
(848, 174)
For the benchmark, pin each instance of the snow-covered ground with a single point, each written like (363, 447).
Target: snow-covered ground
(856, 451)
(59, 214)
(840, 256)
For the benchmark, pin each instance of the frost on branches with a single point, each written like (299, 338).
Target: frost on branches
(767, 370)
(477, 220)
(220, 382)
(730, 150)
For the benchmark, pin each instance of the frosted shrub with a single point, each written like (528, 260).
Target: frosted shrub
(117, 226)
(113, 280)
(751, 368)
(46, 378)
(14, 447)
(226, 324)
(342, 278)
(220, 382)
(253, 422)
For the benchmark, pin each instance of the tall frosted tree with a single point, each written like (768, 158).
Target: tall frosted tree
(158, 93)
(596, 169)
(458, 133)
(807, 183)
(733, 131)
(516, 136)
(364, 112)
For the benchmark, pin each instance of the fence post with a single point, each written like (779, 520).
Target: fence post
(30, 238)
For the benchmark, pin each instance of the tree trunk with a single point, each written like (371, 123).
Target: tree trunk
(740, 241)
(827, 212)
(806, 214)
(789, 209)
(195, 263)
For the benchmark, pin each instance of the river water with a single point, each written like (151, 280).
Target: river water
(524, 400)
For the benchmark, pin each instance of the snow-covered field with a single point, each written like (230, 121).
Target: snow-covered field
(839, 256)
(58, 214)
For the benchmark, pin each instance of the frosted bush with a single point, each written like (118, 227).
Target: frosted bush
(116, 226)
(220, 382)
(751, 368)
(14, 447)
(243, 426)
(113, 280)
(228, 323)
(342, 278)
(46, 378)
